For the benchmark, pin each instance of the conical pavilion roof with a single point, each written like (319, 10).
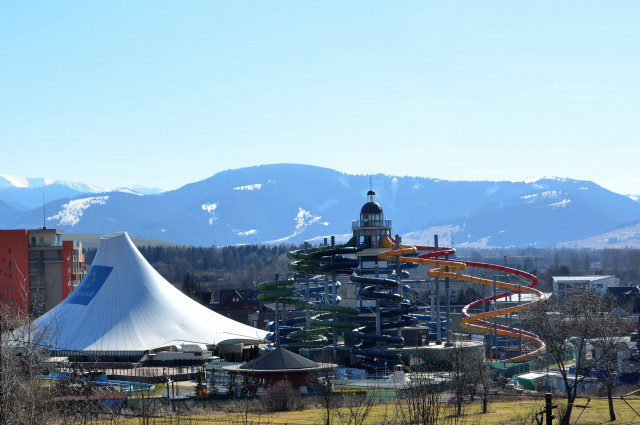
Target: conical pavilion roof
(124, 304)
(278, 360)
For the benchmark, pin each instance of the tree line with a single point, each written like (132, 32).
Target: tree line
(215, 267)
(243, 265)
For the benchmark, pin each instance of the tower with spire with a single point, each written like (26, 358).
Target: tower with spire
(372, 227)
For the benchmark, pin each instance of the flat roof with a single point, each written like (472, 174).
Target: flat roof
(578, 279)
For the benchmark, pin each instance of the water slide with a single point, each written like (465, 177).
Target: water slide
(444, 268)
(395, 312)
(321, 298)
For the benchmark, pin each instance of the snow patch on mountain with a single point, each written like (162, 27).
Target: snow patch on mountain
(21, 182)
(305, 218)
(210, 209)
(249, 187)
(481, 243)
(73, 210)
(138, 190)
(16, 181)
(560, 204)
(425, 237)
(129, 191)
(245, 233)
(625, 237)
(547, 195)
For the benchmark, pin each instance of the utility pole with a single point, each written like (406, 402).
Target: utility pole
(548, 409)
(438, 323)
(448, 301)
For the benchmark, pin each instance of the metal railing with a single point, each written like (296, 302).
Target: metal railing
(356, 224)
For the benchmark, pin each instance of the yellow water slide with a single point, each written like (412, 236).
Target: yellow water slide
(444, 268)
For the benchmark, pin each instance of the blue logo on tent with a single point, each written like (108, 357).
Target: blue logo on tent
(90, 286)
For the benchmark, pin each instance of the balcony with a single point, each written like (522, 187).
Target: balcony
(358, 224)
(35, 260)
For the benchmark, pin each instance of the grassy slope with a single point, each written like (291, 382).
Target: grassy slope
(514, 412)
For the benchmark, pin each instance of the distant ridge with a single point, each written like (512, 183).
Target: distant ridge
(293, 203)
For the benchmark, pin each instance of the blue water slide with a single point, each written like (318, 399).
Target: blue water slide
(377, 353)
(369, 293)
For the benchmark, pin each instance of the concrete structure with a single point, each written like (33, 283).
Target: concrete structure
(38, 269)
(564, 285)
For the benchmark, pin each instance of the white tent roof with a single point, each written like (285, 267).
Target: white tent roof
(123, 304)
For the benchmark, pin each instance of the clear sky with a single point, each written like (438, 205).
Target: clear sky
(162, 94)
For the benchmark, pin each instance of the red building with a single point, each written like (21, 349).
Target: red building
(278, 365)
(38, 269)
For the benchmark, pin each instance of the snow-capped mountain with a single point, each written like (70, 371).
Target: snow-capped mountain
(9, 181)
(26, 193)
(294, 203)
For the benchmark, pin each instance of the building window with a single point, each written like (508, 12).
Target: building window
(10, 265)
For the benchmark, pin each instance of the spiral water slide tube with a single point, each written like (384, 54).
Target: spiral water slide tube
(315, 261)
(430, 256)
(395, 312)
(292, 332)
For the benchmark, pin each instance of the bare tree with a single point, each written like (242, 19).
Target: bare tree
(469, 375)
(147, 404)
(480, 377)
(245, 410)
(328, 398)
(24, 349)
(419, 403)
(356, 408)
(566, 326)
(607, 343)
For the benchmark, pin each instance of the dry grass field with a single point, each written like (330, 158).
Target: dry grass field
(512, 411)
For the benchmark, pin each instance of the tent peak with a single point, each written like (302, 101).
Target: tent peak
(113, 235)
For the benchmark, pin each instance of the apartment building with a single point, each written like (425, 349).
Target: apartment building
(38, 269)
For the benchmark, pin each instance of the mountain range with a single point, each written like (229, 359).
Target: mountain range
(292, 203)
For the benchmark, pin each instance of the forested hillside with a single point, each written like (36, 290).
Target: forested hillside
(240, 266)
(215, 267)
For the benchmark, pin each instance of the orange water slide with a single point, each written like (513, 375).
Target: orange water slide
(444, 268)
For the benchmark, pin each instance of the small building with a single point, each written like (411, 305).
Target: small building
(278, 365)
(563, 286)
(241, 305)
(553, 381)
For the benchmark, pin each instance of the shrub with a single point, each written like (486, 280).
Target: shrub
(281, 396)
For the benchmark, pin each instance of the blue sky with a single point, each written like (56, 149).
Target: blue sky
(167, 93)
